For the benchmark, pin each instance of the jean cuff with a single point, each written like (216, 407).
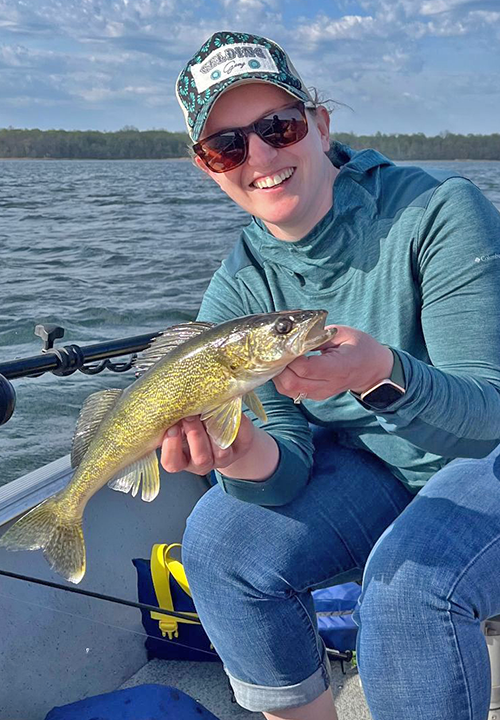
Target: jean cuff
(264, 698)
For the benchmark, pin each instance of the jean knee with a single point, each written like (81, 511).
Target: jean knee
(400, 589)
(244, 549)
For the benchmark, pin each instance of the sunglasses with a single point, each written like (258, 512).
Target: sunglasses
(227, 149)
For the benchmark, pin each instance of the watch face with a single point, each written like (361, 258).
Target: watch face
(383, 396)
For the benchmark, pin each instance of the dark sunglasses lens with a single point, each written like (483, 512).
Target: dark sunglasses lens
(227, 150)
(284, 127)
(223, 152)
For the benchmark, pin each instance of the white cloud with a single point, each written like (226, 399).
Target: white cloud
(350, 27)
(97, 95)
(397, 60)
(435, 7)
(14, 56)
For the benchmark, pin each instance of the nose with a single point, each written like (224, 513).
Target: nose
(259, 152)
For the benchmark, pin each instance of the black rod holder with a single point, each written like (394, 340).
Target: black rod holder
(67, 359)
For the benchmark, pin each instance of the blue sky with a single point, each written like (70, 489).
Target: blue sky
(400, 65)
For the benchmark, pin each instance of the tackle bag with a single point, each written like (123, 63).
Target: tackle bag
(334, 608)
(161, 581)
(143, 702)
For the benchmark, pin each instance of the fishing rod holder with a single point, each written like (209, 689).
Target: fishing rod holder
(66, 360)
(71, 357)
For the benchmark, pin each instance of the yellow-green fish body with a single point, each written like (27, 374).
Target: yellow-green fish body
(194, 369)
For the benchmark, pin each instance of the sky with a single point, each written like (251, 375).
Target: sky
(391, 66)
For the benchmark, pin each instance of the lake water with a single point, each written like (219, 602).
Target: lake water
(107, 250)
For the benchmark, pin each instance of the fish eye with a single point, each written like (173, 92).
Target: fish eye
(283, 325)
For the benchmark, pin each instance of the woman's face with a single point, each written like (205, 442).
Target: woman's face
(291, 208)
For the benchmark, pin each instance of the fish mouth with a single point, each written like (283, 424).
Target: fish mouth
(315, 332)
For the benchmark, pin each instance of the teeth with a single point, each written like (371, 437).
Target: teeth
(274, 180)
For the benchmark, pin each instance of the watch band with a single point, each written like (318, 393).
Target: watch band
(398, 374)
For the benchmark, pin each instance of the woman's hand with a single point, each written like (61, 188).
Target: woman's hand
(351, 360)
(187, 446)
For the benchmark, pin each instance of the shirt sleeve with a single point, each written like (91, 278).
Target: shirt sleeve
(227, 298)
(452, 403)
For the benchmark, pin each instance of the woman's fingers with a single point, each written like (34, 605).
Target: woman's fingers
(290, 384)
(187, 446)
(173, 458)
(200, 447)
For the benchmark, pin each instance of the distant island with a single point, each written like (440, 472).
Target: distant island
(132, 144)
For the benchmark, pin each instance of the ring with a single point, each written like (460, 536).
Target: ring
(301, 396)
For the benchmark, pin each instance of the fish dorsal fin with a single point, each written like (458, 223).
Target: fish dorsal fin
(223, 422)
(144, 470)
(169, 339)
(95, 407)
(253, 403)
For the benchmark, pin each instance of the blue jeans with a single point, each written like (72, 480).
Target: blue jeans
(432, 573)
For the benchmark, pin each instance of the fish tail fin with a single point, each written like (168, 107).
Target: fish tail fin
(59, 535)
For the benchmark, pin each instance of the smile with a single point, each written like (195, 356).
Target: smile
(269, 181)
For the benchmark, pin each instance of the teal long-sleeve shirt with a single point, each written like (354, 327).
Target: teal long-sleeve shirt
(411, 257)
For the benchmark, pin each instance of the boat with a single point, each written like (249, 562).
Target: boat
(60, 646)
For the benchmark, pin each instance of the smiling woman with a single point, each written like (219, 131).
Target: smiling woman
(403, 401)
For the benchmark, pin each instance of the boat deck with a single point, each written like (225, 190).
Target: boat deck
(79, 647)
(207, 683)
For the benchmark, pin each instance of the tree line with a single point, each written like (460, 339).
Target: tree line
(127, 144)
(445, 146)
(130, 143)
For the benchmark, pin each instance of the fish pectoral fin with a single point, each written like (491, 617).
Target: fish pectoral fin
(167, 341)
(95, 407)
(253, 403)
(223, 422)
(144, 470)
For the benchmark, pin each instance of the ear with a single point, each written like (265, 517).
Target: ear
(322, 119)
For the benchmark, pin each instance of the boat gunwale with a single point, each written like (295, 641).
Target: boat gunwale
(23, 493)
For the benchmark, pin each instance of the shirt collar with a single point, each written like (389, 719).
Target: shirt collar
(356, 161)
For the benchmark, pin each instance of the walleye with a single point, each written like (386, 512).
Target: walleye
(191, 369)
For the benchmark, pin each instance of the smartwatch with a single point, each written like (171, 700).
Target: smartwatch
(385, 392)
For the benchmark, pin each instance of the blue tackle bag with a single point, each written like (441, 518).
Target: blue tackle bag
(334, 608)
(143, 702)
(161, 581)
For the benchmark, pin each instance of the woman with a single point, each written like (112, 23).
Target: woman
(380, 452)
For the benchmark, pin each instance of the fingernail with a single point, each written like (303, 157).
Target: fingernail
(172, 432)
